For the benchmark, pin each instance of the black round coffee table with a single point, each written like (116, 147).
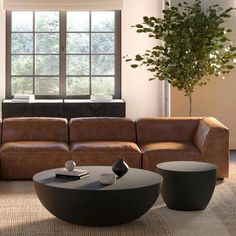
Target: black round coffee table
(88, 202)
(187, 185)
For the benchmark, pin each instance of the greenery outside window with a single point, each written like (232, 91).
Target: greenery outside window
(63, 54)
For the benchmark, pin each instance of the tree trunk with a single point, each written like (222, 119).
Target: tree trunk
(190, 104)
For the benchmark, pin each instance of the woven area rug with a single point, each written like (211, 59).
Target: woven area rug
(21, 213)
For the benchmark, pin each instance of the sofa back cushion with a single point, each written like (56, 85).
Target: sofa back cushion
(166, 129)
(102, 129)
(35, 129)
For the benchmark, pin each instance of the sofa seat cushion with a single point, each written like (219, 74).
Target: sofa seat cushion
(21, 160)
(154, 153)
(105, 153)
(170, 147)
(34, 146)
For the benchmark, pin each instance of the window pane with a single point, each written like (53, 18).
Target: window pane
(77, 86)
(78, 65)
(47, 65)
(77, 43)
(103, 43)
(21, 43)
(103, 85)
(78, 21)
(22, 21)
(21, 85)
(47, 21)
(47, 85)
(103, 65)
(103, 21)
(22, 65)
(47, 43)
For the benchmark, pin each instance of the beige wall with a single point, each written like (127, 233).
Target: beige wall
(143, 98)
(218, 98)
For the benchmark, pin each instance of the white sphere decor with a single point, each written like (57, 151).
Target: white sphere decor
(70, 165)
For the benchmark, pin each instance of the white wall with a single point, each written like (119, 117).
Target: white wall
(143, 97)
(2, 54)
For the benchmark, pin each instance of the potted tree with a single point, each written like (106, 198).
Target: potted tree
(195, 44)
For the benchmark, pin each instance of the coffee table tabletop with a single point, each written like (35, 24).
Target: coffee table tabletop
(88, 202)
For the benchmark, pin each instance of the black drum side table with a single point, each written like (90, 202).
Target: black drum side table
(187, 185)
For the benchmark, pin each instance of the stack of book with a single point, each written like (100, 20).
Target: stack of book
(23, 98)
(75, 174)
(101, 97)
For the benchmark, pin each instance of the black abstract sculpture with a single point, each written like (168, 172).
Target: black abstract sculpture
(120, 167)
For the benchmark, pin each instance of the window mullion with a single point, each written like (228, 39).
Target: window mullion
(117, 54)
(90, 53)
(34, 75)
(8, 53)
(62, 90)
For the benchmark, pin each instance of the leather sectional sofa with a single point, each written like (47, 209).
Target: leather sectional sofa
(33, 144)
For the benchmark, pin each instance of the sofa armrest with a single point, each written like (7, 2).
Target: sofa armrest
(211, 132)
(212, 139)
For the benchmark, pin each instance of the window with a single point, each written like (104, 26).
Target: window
(59, 54)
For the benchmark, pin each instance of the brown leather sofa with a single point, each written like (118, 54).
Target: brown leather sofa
(173, 139)
(101, 141)
(30, 145)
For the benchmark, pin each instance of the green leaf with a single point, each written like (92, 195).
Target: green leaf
(134, 65)
(152, 69)
(223, 39)
(145, 19)
(138, 26)
(140, 31)
(149, 60)
(220, 46)
(225, 15)
(158, 47)
(152, 18)
(230, 67)
(138, 58)
(232, 49)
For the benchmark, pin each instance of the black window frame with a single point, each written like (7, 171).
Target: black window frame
(62, 59)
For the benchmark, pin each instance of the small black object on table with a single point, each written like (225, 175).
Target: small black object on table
(88, 202)
(120, 167)
(187, 185)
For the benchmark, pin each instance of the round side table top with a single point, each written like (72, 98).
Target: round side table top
(135, 178)
(186, 166)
